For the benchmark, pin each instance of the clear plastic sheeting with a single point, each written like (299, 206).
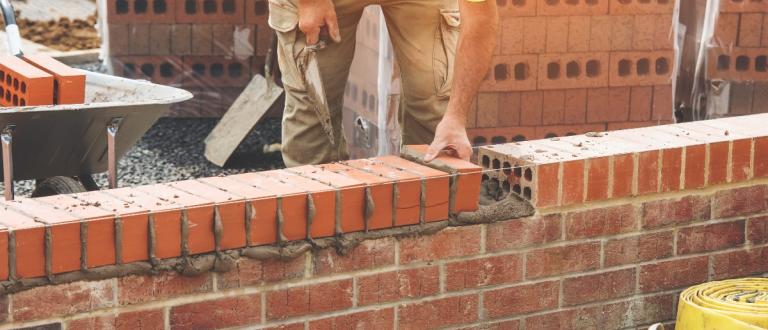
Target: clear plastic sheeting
(732, 60)
(211, 48)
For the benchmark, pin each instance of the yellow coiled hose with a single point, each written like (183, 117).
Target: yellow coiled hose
(725, 305)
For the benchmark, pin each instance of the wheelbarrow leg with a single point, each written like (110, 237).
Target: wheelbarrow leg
(112, 129)
(7, 139)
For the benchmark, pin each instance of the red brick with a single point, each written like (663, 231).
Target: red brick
(64, 230)
(154, 11)
(438, 313)
(256, 12)
(741, 156)
(597, 178)
(160, 39)
(118, 39)
(448, 243)
(643, 32)
(202, 39)
(164, 70)
(511, 36)
(138, 39)
(553, 107)
(509, 109)
(508, 73)
(598, 287)
(741, 263)
(757, 230)
(503, 325)
(663, 109)
(143, 319)
(531, 107)
(557, 34)
(718, 163)
(69, 84)
(62, 300)
(726, 30)
(761, 157)
(289, 326)
(608, 316)
(750, 28)
(4, 257)
(181, 39)
(534, 35)
(695, 157)
(562, 260)
(573, 182)
(143, 288)
(600, 222)
(476, 273)
(675, 211)
(250, 272)
(640, 103)
(488, 105)
(546, 185)
(578, 33)
(562, 8)
(599, 106)
(519, 233)
(673, 274)
(407, 185)
(671, 164)
(435, 182)
(29, 244)
(310, 299)
(520, 300)
(575, 106)
(24, 84)
(740, 201)
(219, 313)
(375, 319)
(369, 254)
(623, 175)
(712, 237)
(398, 285)
(589, 70)
(648, 172)
(638, 248)
(207, 71)
(200, 12)
(600, 33)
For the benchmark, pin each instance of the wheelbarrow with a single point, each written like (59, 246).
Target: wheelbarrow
(61, 146)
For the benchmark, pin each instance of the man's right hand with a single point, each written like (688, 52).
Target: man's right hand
(313, 15)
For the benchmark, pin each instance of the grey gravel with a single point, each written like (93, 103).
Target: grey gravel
(172, 150)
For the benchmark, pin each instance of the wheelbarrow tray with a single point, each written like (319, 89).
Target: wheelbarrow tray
(71, 140)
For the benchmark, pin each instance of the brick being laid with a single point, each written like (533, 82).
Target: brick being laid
(590, 167)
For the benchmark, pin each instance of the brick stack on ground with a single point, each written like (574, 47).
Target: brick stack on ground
(209, 47)
(565, 67)
(738, 53)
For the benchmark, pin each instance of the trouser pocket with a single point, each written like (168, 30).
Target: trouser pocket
(284, 19)
(447, 39)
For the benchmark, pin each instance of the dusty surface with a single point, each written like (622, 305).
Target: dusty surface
(61, 34)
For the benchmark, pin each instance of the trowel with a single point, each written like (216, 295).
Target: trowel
(257, 98)
(314, 83)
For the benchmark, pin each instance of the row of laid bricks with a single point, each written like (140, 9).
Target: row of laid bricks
(564, 34)
(741, 30)
(748, 98)
(228, 40)
(632, 162)
(620, 265)
(573, 107)
(578, 70)
(737, 64)
(522, 8)
(39, 80)
(498, 135)
(168, 220)
(738, 6)
(187, 11)
(208, 72)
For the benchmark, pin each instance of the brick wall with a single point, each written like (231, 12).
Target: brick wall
(624, 221)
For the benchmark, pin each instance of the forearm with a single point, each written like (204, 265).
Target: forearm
(479, 31)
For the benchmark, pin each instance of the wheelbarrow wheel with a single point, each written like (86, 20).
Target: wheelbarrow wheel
(57, 185)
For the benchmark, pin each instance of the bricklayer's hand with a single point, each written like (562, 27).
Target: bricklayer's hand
(314, 15)
(450, 138)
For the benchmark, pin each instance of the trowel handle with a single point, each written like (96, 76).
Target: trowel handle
(269, 60)
(11, 29)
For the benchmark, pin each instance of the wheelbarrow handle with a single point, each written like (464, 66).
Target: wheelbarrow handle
(11, 29)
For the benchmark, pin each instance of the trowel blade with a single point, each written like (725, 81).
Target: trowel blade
(316, 92)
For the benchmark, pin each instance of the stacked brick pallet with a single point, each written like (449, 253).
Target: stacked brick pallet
(209, 47)
(738, 53)
(572, 66)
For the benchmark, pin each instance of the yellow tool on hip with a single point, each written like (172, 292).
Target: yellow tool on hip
(732, 304)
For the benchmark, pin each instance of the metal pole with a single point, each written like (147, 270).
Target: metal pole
(11, 29)
(112, 129)
(7, 139)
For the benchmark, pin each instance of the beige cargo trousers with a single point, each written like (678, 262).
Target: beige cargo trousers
(424, 34)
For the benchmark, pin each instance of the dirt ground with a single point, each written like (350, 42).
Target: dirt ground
(63, 33)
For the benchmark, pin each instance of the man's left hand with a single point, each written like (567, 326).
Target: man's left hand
(451, 137)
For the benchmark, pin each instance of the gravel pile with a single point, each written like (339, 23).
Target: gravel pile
(172, 150)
